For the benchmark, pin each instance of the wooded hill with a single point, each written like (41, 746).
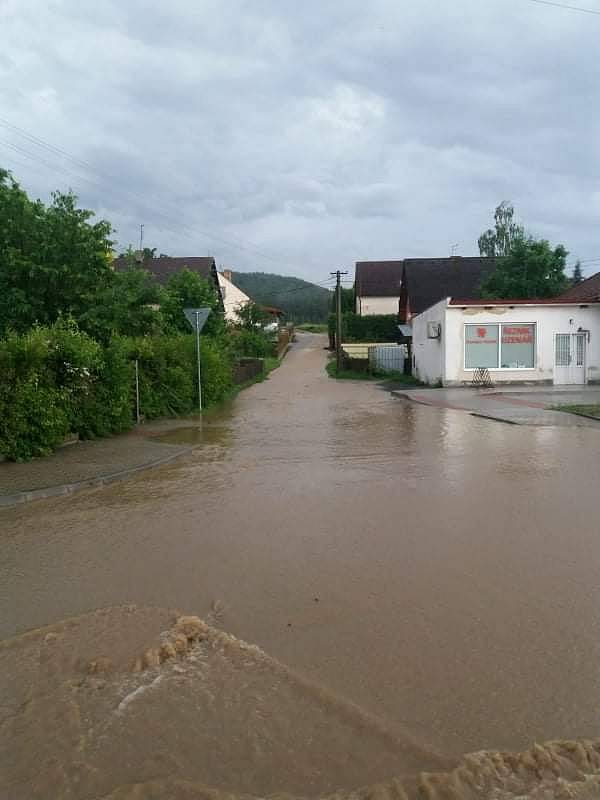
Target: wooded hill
(302, 301)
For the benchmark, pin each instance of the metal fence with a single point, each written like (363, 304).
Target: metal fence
(387, 357)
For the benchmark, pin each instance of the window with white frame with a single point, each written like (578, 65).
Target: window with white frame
(500, 346)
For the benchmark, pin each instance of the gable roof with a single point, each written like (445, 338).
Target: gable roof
(164, 267)
(426, 281)
(378, 278)
(587, 291)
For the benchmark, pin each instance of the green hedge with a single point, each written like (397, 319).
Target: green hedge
(57, 380)
(251, 343)
(375, 328)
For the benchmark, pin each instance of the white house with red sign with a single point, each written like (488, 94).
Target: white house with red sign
(518, 341)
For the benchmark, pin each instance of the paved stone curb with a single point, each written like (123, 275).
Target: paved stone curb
(575, 414)
(61, 490)
(497, 419)
(424, 401)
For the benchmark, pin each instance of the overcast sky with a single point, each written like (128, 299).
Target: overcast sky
(301, 137)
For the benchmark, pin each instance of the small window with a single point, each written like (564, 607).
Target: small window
(481, 346)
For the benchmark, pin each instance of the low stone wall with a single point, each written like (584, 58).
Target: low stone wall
(284, 339)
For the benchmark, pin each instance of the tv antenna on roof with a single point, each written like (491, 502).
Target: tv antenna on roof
(454, 249)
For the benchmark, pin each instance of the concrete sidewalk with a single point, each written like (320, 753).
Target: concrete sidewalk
(522, 405)
(92, 463)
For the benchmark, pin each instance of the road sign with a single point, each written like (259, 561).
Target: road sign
(197, 317)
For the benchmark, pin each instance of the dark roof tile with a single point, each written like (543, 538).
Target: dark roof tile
(426, 281)
(378, 278)
(164, 267)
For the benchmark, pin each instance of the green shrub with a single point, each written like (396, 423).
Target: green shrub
(34, 422)
(168, 373)
(375, 328)
(74, 364)
(110, 407)
(57, 380)
(251, 343)
(33, 409)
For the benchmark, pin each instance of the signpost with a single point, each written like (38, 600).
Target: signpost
(197, 318)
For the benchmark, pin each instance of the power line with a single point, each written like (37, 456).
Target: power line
(566, 7)
(319, 285)
(232, 241)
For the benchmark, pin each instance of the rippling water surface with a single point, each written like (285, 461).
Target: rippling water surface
(440, 572)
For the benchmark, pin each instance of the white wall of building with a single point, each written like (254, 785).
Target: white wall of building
(233, 298)
(368, 306)
(429, 354)
(549, 320)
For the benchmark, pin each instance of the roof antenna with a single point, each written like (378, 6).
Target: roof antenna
(453, 250)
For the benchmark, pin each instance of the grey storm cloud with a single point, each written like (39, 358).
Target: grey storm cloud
(298, 138)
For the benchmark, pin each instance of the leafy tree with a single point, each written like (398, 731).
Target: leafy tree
(577, 274)
(53, 258)
(347, 301)
(252, 316)
(147, 253)
(531, 270)
(186, 289)
(127, 304)
(498, 241)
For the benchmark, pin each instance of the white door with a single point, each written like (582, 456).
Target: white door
(569, 358)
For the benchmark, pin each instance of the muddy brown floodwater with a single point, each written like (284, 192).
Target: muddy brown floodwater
(430, 580)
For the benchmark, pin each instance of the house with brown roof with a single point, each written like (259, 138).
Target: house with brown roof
(588, 291)
(165, 267)
(425, 281)
(377, 287)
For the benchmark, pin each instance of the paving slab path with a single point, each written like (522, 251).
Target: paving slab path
(534, 405)
(91, 463)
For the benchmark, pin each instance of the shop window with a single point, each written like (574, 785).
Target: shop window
(481, 346)
(506, 346)
(517, 347)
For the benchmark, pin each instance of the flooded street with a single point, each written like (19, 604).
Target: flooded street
(439, 571)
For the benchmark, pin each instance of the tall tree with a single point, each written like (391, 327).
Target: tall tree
(127, 304)
(186, 289)
(347, 301)
(251, 316)
(147, 254)
(53, 259)
(577, 274)
(498, 241)
(531, 270)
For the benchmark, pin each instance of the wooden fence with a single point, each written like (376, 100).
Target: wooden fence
(246, 369)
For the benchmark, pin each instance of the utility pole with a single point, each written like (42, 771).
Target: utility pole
(141, 238)
(338, 317)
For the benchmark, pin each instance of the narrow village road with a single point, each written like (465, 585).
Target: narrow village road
(441, 571)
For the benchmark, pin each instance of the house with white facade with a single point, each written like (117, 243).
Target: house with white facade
(550, 341)
(233, 297)
(377, 287)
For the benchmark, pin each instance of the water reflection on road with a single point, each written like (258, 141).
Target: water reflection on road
(441, 571)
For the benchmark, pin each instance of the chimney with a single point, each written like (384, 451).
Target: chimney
(227, 274)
